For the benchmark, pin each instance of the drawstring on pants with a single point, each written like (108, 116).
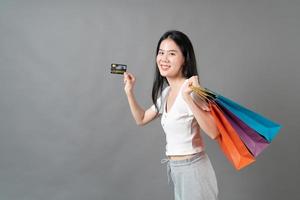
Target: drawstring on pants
(167, 160)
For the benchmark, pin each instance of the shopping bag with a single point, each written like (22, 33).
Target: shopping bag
(257, 122)
(265, 127)
(254, 142)
(229, 141)
(238, 126)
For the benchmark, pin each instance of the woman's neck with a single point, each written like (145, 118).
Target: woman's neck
(175, 83)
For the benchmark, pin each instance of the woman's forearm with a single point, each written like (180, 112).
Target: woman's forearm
(137, 112)
(204, 118)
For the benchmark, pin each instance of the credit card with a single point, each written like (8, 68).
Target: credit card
(118, 68)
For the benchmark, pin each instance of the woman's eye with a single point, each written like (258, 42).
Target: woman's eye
(172, 54)
(160, 53)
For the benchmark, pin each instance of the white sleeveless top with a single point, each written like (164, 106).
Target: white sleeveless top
(179, 124)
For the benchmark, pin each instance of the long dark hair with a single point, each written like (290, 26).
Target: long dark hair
(189, 68)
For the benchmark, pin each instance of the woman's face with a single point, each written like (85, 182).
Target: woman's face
(169, 59)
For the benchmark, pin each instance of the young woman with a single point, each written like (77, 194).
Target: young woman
(182, 115)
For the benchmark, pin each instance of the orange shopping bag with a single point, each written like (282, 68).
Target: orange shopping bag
(229, 140)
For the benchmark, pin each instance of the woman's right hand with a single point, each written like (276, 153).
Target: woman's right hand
(129, 81)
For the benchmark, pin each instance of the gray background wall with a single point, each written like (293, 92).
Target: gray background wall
(66, 131)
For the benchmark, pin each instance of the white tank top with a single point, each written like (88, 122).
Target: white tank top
(180, 126)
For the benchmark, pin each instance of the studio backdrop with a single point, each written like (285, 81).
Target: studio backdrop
(66, 131)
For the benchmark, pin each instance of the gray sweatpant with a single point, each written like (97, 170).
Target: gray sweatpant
(193, 178)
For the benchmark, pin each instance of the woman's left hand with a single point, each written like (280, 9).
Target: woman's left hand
(193, 81)
(186, 92)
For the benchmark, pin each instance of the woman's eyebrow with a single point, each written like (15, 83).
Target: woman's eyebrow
(169, 50)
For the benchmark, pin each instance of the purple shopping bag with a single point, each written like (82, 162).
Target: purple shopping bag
(253, 140)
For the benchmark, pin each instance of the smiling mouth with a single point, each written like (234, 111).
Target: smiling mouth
(164, 67)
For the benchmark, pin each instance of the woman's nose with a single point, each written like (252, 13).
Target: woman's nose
(164, 58)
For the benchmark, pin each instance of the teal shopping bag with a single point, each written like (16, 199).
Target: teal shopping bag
(257, 122)
(263, 126)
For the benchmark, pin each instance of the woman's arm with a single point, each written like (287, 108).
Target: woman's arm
(202, 114)
(204, 118)
(140, 116)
